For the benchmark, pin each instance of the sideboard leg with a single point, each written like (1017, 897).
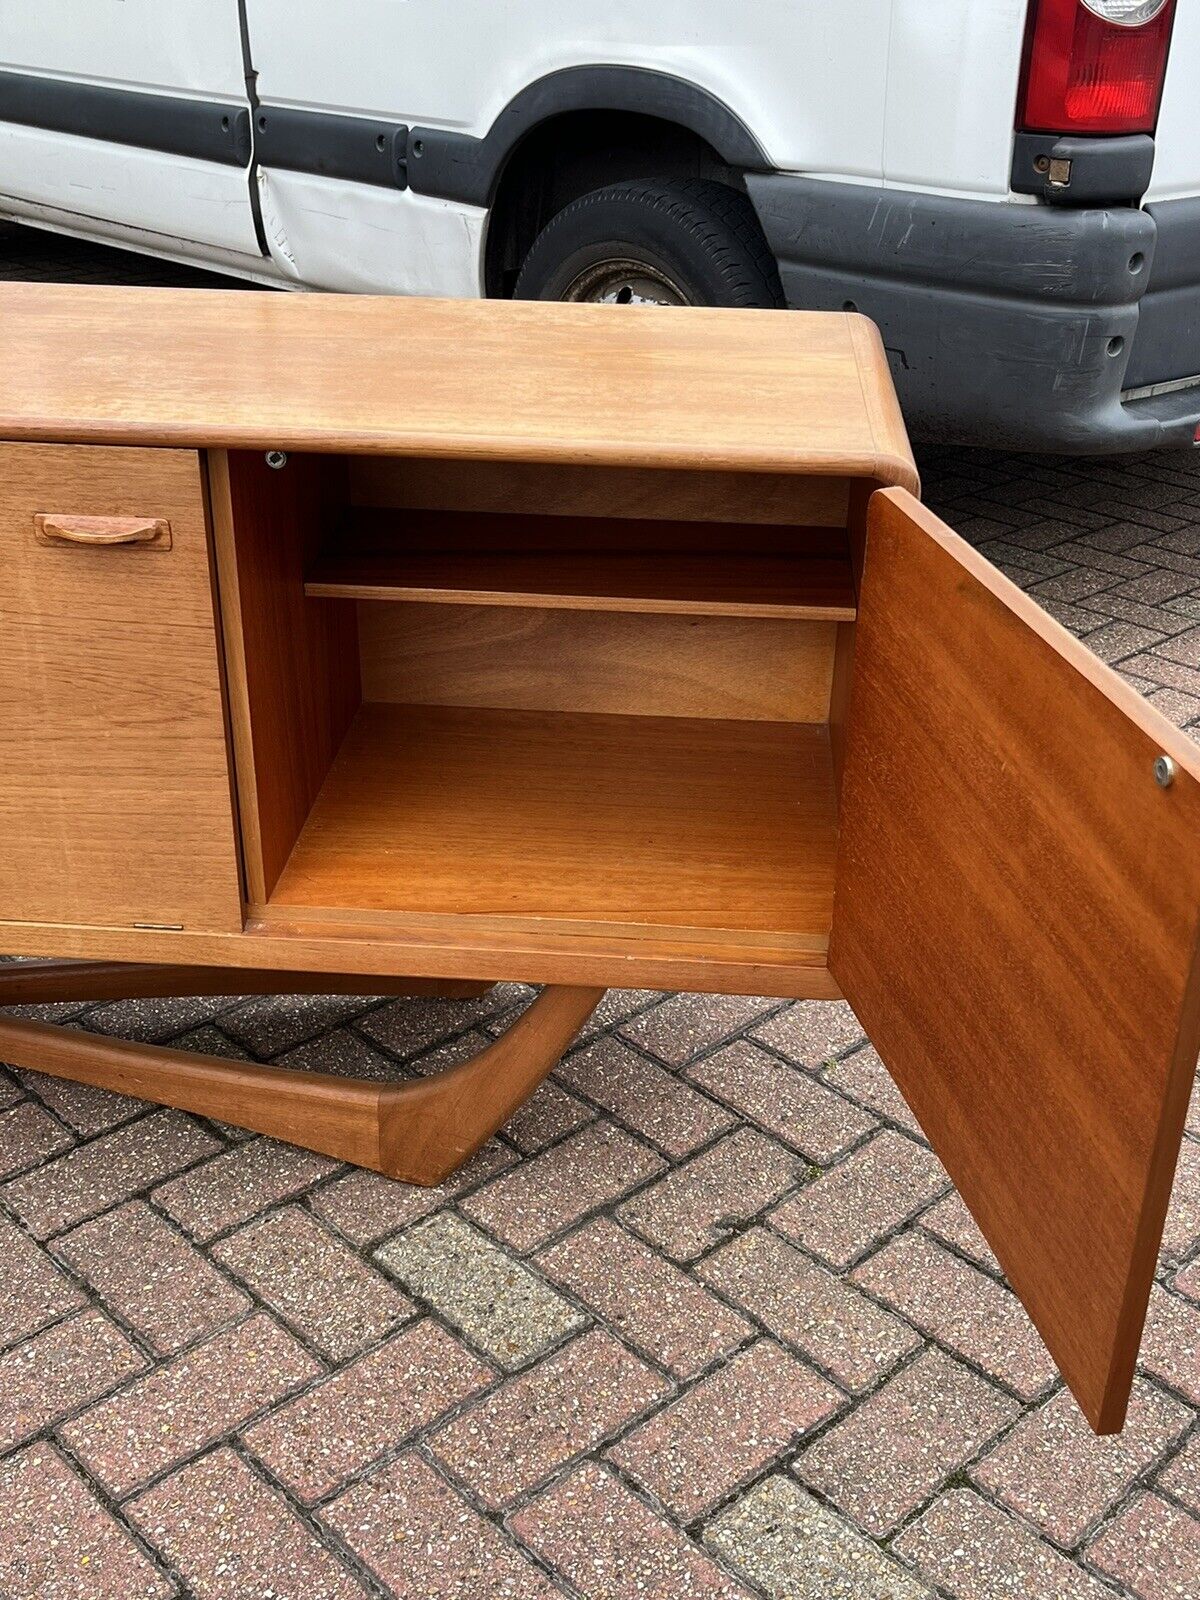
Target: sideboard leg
(419, 1132)
(427, 1130)
(36, 983)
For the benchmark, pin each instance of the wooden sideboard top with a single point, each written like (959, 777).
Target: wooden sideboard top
(491, 380)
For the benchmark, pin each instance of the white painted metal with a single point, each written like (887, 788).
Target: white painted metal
(169, 46)
(807, 76)
(189, 48)
(195, 209)
(367, 239)
(1177, 142)
(954, 67)
(915, 94)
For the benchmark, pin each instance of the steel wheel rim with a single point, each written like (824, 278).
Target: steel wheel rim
(624, 282)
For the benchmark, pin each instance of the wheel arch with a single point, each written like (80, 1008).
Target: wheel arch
(570, 131)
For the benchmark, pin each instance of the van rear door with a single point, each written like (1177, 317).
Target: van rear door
(1177, 139)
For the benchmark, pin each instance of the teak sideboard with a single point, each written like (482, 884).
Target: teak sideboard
(407, 646)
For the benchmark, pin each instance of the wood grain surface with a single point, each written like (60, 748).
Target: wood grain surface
(115, 801)
(640, 820)
(656, 582)
(1016, 924)
(731, 668)
(718, 390)
(566, 489)
(416, 1132)
(291, 663)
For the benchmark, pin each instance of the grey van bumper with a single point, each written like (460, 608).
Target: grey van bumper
(1014, 325)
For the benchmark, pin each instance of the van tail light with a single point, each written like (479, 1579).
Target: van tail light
(1094, 66)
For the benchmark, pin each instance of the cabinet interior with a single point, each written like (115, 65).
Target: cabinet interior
(594, 700)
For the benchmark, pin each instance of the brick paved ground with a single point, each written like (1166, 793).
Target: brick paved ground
(705, 1320)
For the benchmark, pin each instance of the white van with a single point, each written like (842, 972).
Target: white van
(1010, 188)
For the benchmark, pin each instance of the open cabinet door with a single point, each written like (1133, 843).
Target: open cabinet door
(1016, 923)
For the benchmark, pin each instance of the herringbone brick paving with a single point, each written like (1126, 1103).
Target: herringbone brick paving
(705, 1320)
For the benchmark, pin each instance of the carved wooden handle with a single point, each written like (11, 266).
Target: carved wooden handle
(61, 527)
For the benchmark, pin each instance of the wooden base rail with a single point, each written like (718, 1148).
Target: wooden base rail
(39, 983)
(418, 1132)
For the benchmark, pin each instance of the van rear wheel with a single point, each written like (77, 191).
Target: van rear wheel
(642, 243)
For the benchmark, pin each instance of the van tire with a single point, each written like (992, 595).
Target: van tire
(689, 242)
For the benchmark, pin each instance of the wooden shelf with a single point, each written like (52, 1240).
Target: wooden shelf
(818, 588)
(625, 824)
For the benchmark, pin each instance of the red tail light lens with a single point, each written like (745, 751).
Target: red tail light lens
(1094, 66)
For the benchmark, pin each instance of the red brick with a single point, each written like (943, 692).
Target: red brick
(953, 1224)
(528, 1205)
(157, 1281)
(1154, 588)
(1055, 1472)
(238, 1185)
(726, 1429)
(854, 1205)
(451, 1052)
(1187, 1280)
(645, 1096)
(60, 1370)
(807, 1306)
(548, 1115)
(1078, 584)
(515, 1437)
(607, 1544)
(423, 1541)
(1176, 706)
(617, 1005)
(231, 1537)
(114, 1167)
(1182, 1232)
(315, 1282)
(864, 1078)
(342, 1053)
(1183, 647)
(33, 1291)
(651, 1303)
(1152, 1548)
(333, 1430)
(1170, 674)
(964, 1544)
(155, 1020)
(187, 1403)
(275, 1023)
(792, 1104)
(366, 1207)
(811, 1032)
(405, 1027)
(961, 1307)
(1171, 1343)
(28, 1136)
(697, 1204)
(905, 1439)
(1117, 640)
(81, 1106)
(1181, 1477)
(57, 1542)
(684, 1025)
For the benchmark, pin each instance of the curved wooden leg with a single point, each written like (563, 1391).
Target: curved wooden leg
(427, 1130)
(37, 983)
(419, 1132)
